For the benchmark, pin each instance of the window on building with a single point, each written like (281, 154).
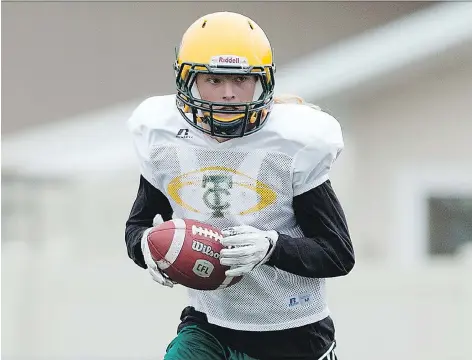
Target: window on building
(450, 224)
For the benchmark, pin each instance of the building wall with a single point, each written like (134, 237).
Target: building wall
(64, 58)
(76, 296)
(69, 277)
(407, 140)
(70, 291)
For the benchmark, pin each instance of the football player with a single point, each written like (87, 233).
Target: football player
(224, 151)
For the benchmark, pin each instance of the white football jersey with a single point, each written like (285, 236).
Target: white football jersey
(243, 181)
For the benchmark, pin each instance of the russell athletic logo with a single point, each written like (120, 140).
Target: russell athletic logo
(229, 60)
(183, 134)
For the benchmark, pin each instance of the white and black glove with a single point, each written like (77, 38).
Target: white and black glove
(156, 273)
(248, 248)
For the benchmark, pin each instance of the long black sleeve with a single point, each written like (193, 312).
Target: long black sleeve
(326, 251)
(149, 202)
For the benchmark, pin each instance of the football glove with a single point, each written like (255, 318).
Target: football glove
(156, 273)
(247, 248)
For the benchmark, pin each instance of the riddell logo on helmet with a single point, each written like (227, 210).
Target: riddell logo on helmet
(228, 60)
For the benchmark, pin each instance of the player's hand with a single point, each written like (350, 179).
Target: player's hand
(156, 273)
(248, 248)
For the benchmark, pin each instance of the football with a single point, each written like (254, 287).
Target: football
(188, 251)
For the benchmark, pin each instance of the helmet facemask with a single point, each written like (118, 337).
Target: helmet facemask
(248, 117)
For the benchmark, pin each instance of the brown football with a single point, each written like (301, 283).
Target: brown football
(188, 251)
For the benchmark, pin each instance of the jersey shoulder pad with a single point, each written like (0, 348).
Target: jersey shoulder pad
(316, 139)
(152, 122)
(304, 125)
(153, 113)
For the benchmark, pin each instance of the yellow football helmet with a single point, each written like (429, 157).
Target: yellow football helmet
(231, 44)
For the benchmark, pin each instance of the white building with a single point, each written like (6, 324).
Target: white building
(401, 88)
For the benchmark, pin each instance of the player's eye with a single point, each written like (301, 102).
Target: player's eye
(213, 80)
(240, 79)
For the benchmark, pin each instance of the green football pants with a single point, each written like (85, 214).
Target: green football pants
(194, 343)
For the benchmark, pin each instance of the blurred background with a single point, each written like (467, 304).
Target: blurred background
(398, 77)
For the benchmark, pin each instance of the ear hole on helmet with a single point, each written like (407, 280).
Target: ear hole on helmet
(204, 23)
(250, 25)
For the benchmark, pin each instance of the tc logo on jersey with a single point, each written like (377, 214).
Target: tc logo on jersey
(218, 190)
(217, 187)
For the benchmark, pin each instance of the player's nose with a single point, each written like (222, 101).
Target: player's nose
(228, 91)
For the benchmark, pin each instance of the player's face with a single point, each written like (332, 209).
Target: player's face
(226, 89)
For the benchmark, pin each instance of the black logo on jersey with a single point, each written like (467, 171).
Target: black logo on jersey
(183, 134)
(217, 186)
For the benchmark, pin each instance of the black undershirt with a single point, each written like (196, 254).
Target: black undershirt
(325, 251)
